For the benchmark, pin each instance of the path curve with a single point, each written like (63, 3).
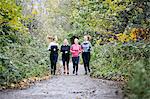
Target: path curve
(68, 87)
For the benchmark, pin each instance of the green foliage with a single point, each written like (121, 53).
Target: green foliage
(107, 62)
(23, 28)
(127, 62)
(138, 86)
(23, 61)
(10, 15)
(100, 17)
(21, 55)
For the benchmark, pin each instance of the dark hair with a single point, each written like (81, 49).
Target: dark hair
(72, 39)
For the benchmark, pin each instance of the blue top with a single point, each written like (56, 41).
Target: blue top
(86, 46)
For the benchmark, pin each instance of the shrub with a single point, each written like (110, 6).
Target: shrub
(21, 54)
(22, 61)
(138, 85)
(128, 62)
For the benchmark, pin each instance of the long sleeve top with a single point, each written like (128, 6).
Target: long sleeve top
(75, 50)
(86, 46)
(65, 49)
(53, 47)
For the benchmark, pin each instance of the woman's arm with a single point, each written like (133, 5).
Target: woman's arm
(49, 47)
(90, 46)
(61, 49)
(80, 49)
(58, 47)
(71, 50)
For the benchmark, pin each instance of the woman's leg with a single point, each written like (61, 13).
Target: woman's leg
(64, 66)
(54, 68)
(67, 67)
(52, 64)
(76, 69)
(84, 61)
(73, 61)
(88, 62)
(55, 61)
(67, 62)
(64, 61)
(77, 62)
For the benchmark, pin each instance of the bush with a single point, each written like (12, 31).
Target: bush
(138, 85)
(22, 61)
(21, 54)
(107, 61)
(127, 62)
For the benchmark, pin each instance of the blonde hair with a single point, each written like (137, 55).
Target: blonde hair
(66, 41)
(88, 37)
(55, 38)
(51, 38)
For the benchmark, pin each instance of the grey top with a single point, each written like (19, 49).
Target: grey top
(86, 46)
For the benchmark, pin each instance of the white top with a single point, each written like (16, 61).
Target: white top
(52, 44)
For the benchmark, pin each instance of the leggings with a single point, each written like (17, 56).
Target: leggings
(86, 60)
(65, 59)
(75, 61)
(53, 59)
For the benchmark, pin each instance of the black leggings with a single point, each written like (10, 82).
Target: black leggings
(53, 59)
(86, 60)
(75, 61)
(65, 59)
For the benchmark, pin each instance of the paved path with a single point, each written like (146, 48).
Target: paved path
(68, 87)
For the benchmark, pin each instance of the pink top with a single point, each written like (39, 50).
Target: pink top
(75, 50)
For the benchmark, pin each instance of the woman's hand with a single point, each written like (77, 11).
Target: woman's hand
(73, 51)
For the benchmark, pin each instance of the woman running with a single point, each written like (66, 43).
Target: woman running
(86, 48)
(75, 50)
(65, 49)
(53, 48)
